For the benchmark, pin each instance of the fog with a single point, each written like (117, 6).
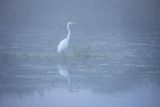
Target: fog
(112, 58)
(91, 15)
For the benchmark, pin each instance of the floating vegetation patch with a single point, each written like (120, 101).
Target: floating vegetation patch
(81, 52)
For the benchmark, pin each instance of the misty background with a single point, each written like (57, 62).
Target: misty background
(94, 15)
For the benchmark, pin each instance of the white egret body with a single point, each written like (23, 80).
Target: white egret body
(62, 46)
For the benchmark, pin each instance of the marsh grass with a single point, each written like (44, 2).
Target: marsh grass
(73, 53)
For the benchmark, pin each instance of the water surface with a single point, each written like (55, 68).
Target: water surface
(115, 69)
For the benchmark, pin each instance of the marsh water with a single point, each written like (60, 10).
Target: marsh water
(114, 69)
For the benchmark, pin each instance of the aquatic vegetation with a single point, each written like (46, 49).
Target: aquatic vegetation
(81, 52)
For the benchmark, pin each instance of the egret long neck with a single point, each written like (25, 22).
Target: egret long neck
(68, 36)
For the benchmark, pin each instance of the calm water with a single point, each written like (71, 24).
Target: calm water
(117, 69)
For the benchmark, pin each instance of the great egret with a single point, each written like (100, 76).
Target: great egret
(62, 46)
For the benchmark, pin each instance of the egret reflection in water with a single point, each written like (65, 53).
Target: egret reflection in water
(63, 71)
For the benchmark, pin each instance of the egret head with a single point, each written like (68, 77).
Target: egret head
(70, 23)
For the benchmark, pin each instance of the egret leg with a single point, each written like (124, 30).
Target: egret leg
(64, 57)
